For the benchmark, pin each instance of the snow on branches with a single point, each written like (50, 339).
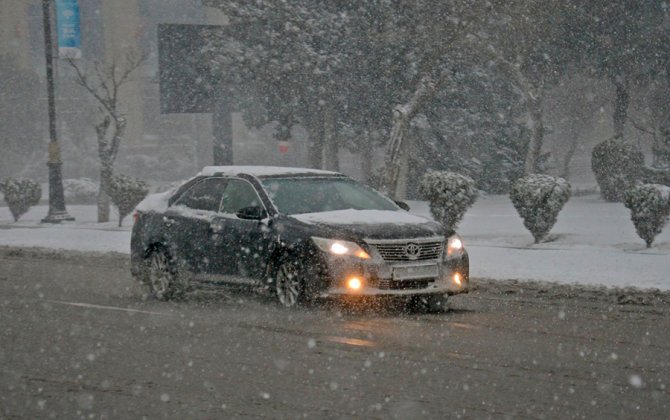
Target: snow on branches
(649, 206)
(538, 199)
(450, 195)
(126, 193)
(617, 166)
(20, 194)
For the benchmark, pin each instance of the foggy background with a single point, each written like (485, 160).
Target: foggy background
(159, 147)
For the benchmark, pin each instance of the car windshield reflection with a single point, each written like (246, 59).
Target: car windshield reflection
(313, 195)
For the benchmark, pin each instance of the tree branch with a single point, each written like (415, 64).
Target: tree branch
(641, 128)
(103, 84)
(133, 62)
(83, 81)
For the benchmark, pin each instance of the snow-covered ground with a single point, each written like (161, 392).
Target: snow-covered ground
(84, 234)
(593, 242)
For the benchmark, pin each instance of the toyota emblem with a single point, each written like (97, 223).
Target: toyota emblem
(412, 251)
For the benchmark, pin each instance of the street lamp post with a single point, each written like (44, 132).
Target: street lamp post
(57, 212)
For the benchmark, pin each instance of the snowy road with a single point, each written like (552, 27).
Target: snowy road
(77, 340)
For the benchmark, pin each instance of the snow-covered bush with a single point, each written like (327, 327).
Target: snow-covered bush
(649, 206)
(20, 194)
(126, 192)
(449, 194)
(80, 190)
(617, 167)
(538, 199)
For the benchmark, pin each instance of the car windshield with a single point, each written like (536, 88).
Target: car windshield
(313, 195)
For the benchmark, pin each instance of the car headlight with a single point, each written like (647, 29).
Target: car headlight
(338, 247)
(454, 245)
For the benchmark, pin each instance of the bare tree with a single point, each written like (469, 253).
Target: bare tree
(104, 82)
(572, 105)
(653, 108)
(434, 69)
(402, 116)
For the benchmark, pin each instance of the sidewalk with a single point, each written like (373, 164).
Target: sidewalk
(84, 234)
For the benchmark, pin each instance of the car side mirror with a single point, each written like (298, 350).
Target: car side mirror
(402, 205)
(252, 213)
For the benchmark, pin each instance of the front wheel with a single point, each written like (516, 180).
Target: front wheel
(429, 303)
(164, 280)
(290, 284)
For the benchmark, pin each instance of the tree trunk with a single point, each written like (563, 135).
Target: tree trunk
(534, 104)
(402, 116)
(570, 153)
(331, 149)
(316, 141)
(331, 161)
(366, 159)
(621, 101)
(104, 201)
(222, 133)
(401, 185)
(400, 122)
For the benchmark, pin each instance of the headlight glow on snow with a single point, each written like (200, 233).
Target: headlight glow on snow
(337, 247)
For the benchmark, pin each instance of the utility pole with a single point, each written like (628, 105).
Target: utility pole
(57, 212)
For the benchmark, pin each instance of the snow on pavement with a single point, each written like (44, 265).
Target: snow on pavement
(84, 234)
(593, 242)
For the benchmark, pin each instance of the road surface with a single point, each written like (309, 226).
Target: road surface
(79, 340)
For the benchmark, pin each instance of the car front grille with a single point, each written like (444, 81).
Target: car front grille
(387, 284)
(409, 250)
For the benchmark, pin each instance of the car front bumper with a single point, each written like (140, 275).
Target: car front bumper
(379, 278)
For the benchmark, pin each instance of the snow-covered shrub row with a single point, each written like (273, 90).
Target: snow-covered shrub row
(617, 167)
(20, 195)
(126, 192)
(80, 191)
(450, 195)
(649, 206)
(538, 199)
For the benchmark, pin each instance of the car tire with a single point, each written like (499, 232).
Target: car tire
(289, 283)
(429, 303)
(437, 303)
(163, 277)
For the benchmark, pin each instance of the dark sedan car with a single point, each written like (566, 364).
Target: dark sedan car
(301, 233)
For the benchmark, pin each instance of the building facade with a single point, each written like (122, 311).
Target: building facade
(155, 145)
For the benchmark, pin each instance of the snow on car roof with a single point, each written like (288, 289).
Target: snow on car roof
(262, 171)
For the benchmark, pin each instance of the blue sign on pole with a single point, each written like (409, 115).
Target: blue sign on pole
(68, 28)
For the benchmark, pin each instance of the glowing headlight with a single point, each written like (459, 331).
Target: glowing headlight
(454, 245)
(354, 283)
(337, 247)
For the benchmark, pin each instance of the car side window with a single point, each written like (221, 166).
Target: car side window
(237, 195)
(205, 195)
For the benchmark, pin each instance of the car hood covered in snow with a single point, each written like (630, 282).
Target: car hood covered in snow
(374, 224)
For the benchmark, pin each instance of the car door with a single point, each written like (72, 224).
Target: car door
(190, 220)
(242, 245)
